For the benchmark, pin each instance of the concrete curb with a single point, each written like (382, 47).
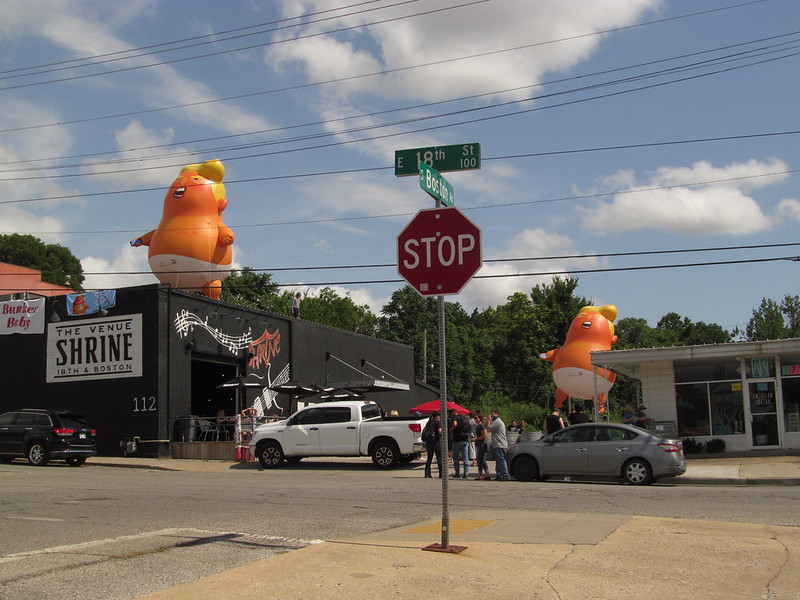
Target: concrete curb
(222, 466)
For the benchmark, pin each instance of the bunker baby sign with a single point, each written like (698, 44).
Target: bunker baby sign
(439, 251)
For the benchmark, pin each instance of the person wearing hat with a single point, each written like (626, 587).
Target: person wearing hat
(642, 420)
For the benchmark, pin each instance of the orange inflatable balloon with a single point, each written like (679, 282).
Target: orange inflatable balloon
(191, 247)
(573, 372)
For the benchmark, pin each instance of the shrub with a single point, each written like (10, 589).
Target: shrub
(715, 446)
(692, 446)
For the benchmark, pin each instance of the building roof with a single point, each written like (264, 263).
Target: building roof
(17, 280)
(629, 361)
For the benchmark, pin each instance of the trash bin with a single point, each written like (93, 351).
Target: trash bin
(185, 429)
(530, 436)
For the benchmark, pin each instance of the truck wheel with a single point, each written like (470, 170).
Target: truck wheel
(385, 455)
(270, 454)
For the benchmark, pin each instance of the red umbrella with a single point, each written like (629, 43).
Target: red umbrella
(433, 405)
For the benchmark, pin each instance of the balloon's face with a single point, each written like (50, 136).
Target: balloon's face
(590, 326)
(191, 194)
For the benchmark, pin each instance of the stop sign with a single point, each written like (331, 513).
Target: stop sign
(439, 251)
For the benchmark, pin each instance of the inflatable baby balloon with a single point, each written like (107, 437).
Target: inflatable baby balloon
(191, 247)
(573, 373)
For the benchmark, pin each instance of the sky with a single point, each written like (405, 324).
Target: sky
(619, 139)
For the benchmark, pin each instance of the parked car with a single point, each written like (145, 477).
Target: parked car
(637, 456)
(44, 435)
(346, 428)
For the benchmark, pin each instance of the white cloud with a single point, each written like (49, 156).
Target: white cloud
(529, 243)
(435, 37)
(669, 201)
(788, 210)
(102, 273)
(17, 220)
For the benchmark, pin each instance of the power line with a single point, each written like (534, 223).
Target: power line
(426, 129)
(251, 47)
(213, 38)
(518, 275)
(366, 217)
(490, 260)
(735, 56)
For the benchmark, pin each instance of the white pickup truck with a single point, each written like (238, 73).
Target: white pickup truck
(347, 428)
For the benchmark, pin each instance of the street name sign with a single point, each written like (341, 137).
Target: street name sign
(460, 157)
(439, 251)
(431, 181)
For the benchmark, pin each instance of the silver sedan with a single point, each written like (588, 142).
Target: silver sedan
(635, 455)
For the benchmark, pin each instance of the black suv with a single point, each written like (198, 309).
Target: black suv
(42, 435)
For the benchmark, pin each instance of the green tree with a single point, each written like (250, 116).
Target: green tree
(256, 290)
(790, 305)
(555, 306)
(767, 322)
(411, 319)
(57, 264)
(329, 308)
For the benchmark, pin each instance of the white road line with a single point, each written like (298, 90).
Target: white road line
(148, 534)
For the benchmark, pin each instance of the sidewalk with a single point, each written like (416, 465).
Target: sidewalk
(766, 470)
(526, 555)
(529, 555)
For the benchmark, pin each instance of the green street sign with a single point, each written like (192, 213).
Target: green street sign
(461, 157)
(437, 186)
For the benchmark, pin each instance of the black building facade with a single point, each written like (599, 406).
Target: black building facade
(159, 356)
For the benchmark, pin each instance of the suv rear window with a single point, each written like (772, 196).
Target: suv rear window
(73, 421)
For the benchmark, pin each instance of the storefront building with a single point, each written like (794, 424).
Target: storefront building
(152, 368)
(746, 393)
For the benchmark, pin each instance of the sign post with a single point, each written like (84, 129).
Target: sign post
(438, 252)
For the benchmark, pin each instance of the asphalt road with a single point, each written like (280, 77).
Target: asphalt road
(119, 533)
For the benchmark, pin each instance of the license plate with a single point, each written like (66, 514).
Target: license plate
(82, 436)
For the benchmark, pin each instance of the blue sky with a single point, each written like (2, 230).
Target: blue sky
(606, 128)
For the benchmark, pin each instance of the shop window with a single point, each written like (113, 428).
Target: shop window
(790, 366)
(693, 410)
(791, 403)
(713, 408)
(760, 367)
(727, 408)
(706, 370)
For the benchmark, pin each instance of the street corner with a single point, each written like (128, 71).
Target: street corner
(657, 557)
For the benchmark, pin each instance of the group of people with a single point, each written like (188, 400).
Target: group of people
(470, 439)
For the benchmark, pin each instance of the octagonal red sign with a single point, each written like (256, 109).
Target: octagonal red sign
(439, 251)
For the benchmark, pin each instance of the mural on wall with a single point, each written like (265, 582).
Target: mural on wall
(191, 247)
(573, 372)
(262, 350)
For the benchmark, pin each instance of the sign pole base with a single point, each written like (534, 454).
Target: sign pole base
(446, 549)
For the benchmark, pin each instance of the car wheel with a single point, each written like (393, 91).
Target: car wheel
(525, 468)
(637, 472)
(270, 454)
(76, 461)
(37, 454)
(385, 455)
